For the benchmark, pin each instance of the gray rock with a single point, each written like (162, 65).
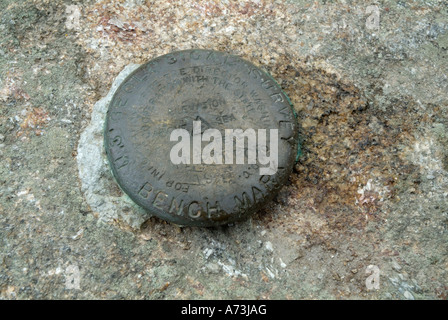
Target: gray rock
(408, 295)
(94, 172)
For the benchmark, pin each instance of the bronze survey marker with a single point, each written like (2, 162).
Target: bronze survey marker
(220, 90)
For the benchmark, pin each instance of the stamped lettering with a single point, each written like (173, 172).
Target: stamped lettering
(222, 92)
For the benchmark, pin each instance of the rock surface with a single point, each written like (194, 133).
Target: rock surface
(369, 83)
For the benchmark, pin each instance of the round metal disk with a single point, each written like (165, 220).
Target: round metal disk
(219, 91)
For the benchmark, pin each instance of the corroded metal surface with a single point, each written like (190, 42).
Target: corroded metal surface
(221, 91)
